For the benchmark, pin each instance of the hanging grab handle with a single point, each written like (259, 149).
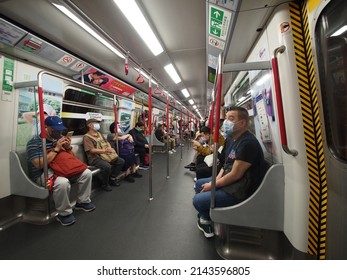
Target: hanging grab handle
(280, 103)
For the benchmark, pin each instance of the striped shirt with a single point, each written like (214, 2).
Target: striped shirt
(34, 150)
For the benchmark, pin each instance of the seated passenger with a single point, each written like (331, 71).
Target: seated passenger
(202, 169)
(100, 154)
(126, 151)
(242, 173)
(200, 144)
(140, 143)
(55, 143)
(163, 137)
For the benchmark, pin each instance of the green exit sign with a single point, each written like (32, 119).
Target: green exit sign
(219, 21)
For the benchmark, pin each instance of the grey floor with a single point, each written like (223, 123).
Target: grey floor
(126, 224)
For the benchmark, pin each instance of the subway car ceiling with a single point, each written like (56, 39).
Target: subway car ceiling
(183, 29)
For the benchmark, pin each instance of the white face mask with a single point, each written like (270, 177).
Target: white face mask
(96, 126)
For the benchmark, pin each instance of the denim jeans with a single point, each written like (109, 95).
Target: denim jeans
(202, 200)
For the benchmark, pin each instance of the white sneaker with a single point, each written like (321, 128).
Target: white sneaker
(173, 150)
(170, 152)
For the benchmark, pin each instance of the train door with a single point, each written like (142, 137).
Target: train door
(331, 45)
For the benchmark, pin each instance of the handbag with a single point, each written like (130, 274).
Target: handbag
(101, 143)
(209, 160)
(67, 165)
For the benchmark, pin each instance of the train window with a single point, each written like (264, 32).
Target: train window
(79, 102)
(331, 42)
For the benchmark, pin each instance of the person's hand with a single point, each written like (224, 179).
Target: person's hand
(67, 143)
(63, 142)
(109, 150)
(206, 187)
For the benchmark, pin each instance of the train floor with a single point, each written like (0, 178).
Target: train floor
(126, 225)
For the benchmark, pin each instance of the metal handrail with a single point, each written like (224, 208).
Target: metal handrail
(279, 101)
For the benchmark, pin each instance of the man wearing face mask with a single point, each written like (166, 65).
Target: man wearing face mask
(95, 144)
(242, 173)
(55, 143)
(140, 143)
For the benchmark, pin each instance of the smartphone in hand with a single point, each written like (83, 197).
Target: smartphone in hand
(69, 134)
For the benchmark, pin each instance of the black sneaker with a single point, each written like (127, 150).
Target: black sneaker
(87, 206)
(136, 175)
(143, 166)
(106, 188)
(129, 179)
(114, 183)
(66, 220)
(190, 165)
(206, 227)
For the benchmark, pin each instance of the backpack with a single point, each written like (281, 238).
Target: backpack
(125, 147)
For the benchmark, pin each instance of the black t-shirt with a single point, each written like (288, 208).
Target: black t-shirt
(248, 149)
(159, 134)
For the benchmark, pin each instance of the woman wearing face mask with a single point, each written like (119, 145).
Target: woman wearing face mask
(93, 140)
(140, 143)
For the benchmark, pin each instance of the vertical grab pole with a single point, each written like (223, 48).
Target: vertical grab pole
(210, 119)
(115, 103)
(167, 137)
(43, 136)
(180, 132)
(150, 135)
(216, 128)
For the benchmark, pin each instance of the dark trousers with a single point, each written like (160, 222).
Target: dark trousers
(142, 151)
(108, 169)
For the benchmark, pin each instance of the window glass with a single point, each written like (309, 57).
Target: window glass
(331, 42)
(77, 103)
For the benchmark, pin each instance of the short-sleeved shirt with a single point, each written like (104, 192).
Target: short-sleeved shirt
(89, 143)
(245, 148)
(35, 150)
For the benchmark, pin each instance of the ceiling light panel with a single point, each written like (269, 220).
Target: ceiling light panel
(134, 15)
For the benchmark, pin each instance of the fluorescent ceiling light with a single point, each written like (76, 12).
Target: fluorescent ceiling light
(339, 31)
(172, 72)
(134, 15)
(195, 107)
(185, 93)
(88, 29)
(191, 101)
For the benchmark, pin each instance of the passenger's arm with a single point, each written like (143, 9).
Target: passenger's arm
(239, 169)
(51, 154)
(237, 172)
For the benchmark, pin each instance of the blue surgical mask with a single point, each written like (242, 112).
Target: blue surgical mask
(228, 128)
(96, 126)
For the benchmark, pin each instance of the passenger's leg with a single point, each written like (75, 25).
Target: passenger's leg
(201, 202)
(117, 166)
(61, 191)
(84, 182)
(105, 173)
(142, 153)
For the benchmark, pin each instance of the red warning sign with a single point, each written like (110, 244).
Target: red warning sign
(284, 26)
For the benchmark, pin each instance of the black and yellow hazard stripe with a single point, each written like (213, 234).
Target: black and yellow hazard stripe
(312, 130)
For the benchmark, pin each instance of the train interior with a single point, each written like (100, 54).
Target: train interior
(154, 218)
